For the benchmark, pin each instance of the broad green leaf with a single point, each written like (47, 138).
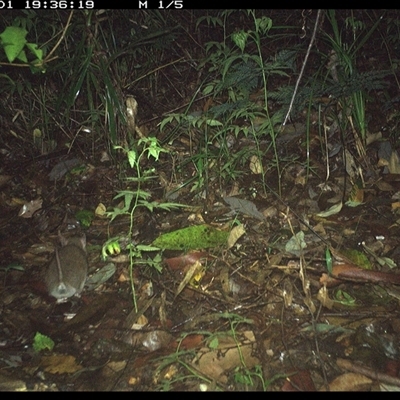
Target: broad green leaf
(13, 41)
(33, 47)
(240, 38)
(132, 157)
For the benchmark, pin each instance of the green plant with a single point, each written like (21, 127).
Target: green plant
(343, 68)
(27, 45)
(243, 374)
(246, 377)
(42, 342)
(338, 77)
(90, 60)
(133, 199)
(234, 74)
(344, 298)
(14, 43)
(212, 340)
(241, 73)
(189, 373)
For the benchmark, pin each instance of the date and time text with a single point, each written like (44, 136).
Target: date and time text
(82, 4)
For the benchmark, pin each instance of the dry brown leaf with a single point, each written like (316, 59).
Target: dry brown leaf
(384, 186)
(60, 364)
(394, 163)
(255, 165)
(191, 341)
(184, 261)
(155, 340)
(28, 209)
(350, 382)
(373, 137)
(117, 366)
(216, 363)
(235, 233)
(300, 180)
(195, 268)
(224, 279)
(100, 210)
(323, 297)
(396, 205)
(298, 382)
(4, 179)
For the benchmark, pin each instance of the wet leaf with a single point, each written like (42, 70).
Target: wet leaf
(214, 343)
(240, 38)
(323, 297)
(191, 341)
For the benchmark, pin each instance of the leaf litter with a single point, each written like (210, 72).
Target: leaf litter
(247, 297)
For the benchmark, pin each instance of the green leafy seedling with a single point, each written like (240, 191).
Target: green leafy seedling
(111, 247)
(85, 217)
(42, 342)
(344, 298)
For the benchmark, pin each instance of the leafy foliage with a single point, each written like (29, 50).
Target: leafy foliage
(364, 82)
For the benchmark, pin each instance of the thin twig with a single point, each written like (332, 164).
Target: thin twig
(370, 373)
(47, 59)
(302, 67)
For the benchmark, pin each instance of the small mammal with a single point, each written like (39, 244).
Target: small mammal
(67, 271)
